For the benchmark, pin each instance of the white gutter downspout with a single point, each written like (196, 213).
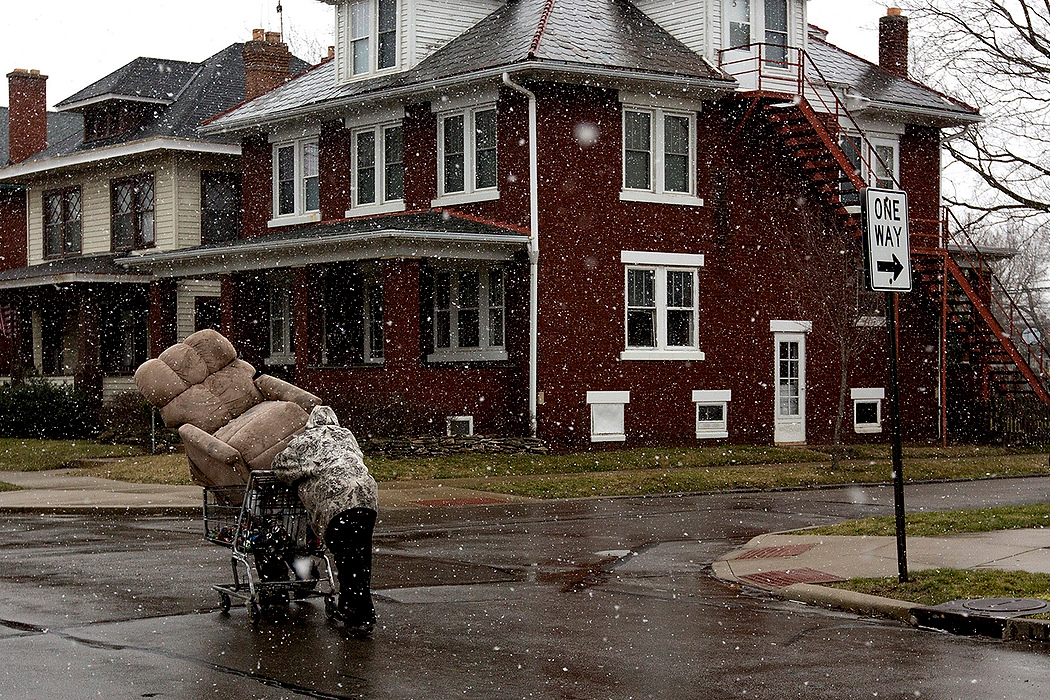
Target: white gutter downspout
(534, 250)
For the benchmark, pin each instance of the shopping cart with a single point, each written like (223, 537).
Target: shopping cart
(266, 512)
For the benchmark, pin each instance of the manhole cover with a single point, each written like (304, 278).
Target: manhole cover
(1005, 605)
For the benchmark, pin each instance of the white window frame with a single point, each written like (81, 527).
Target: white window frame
(373, 300)
(661, 264)
(868, 395)
(484, 352)
(869, 146)
(470, 192)
(611, 404)
(381, 205)
(657, 191)
(712, 429)
(757, 26)
(300, 213)
(281, 285)
(449, 420)
(345, 24)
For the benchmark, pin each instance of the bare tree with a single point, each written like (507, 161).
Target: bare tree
(995, 55)
(827, 284)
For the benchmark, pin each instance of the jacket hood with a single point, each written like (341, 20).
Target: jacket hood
(322, 415)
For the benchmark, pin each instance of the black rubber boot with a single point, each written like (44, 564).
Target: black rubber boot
(349, 539)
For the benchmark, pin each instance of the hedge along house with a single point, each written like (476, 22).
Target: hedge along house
(134, 176)
(587, 221)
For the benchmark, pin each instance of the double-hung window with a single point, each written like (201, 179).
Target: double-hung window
(661, 306)
(467, 156)
(770, 17)
(282, 322)
(62, 228)
(876, 159)
(296, 182)
(371, 34)
(469, 314)
(378, 169)
(659, 155)
(132, 203)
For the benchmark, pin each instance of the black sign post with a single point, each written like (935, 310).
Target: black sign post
(887, 257)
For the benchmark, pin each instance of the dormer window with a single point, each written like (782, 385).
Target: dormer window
(370, 28)
(758, 21)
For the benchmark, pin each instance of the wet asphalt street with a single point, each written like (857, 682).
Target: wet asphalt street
(523, 601)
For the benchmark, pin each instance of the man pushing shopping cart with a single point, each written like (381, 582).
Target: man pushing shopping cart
(278, 482)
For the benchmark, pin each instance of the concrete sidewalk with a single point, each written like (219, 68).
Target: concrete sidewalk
(794, 566)
(65, 490)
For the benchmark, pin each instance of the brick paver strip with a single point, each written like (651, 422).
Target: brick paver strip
(788, 550)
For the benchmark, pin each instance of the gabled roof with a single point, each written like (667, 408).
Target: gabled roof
(884, 90)
(585, 36)
(185, 94)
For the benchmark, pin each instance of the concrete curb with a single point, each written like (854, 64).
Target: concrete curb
(850, 600)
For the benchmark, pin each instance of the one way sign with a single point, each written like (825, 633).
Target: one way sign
(886, 248)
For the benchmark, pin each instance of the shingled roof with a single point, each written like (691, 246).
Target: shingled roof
(60, 126)
(584, 34)
(185, 95)
(884, 89)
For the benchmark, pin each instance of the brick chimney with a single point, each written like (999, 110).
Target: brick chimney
(266, 61)
(893, 42)
(27, 115)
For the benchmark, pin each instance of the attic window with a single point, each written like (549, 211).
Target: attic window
(369, 36)
(112, 119)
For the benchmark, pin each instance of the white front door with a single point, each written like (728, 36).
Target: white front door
(790, 423)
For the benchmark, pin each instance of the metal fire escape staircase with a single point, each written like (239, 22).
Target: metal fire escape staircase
(977, 311)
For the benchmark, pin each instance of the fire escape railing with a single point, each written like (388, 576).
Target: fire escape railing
(1021, 330)
(782, 71)
(779, 69)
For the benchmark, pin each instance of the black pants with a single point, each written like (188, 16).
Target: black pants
(349, 539)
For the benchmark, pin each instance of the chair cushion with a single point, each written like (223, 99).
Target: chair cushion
(263, 430)
(213, 348)
(234, 388)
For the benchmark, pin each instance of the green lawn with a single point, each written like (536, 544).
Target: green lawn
(4, 486)
(947, 523)
(607, 473)
(937, 586)
(35, 455)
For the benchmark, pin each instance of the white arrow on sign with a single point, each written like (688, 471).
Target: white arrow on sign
(887, 250)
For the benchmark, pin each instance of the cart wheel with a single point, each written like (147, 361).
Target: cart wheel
(329, 606)
(254, 612)
(224, 602)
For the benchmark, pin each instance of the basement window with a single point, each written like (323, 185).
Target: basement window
(867, 410)
(712, 410)
(607, 415)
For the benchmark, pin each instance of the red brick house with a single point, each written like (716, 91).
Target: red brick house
(586, 221)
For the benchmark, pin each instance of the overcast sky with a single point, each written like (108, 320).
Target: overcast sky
(75, 42)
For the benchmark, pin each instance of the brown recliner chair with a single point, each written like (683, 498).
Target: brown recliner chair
(230, 420)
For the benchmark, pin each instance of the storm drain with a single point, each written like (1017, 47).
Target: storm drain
(783, 579)
(789, 550)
